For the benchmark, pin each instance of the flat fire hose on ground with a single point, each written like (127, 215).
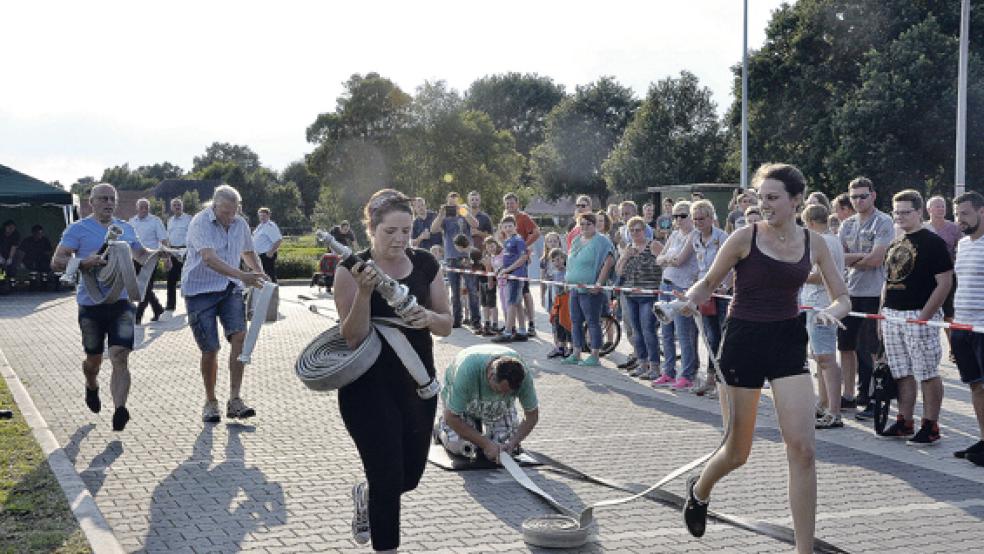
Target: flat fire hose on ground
(569, 529)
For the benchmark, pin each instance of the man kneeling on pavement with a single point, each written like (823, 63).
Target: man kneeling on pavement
(480, 389)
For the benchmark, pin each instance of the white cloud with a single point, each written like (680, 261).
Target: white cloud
(98, 84)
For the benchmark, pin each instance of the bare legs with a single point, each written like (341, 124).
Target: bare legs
(794, 402)
(829, 375)
(977, 397)
(932, 390)
(210, 368)
(119, 381)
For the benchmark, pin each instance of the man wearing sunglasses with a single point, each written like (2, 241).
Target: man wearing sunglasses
(866, 236)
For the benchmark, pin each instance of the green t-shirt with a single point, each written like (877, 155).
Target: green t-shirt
(466, 389)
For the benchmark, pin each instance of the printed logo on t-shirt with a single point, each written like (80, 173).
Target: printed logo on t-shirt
(899, 262)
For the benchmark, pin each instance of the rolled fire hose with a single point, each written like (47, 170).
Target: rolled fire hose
(570, 529)
(259, 317)
(119, 274)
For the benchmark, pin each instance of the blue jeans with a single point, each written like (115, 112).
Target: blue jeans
(643, 322)
(203, 309)
(586, 306)
(471, 283)
(714, 325)
(683, 329)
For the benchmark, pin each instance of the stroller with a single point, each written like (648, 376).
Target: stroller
(325, 277)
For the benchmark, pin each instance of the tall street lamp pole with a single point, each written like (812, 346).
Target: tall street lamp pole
(960, 177)
(744, 99)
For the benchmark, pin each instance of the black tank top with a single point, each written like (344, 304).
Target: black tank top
(767, 289)
(425, 268)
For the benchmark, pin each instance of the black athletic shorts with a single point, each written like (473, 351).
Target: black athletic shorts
(968, 349)
(848, 339)
(526, 287)
(486, 294)
(753, 351)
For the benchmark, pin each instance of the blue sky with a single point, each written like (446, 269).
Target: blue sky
(97, 84)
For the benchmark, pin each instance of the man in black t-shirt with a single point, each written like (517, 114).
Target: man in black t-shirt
(343, 234)
(484, 228)
(919, 274)
(37, 250)
(421, 235)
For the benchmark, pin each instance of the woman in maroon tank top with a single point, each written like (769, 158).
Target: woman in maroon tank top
(764, 339)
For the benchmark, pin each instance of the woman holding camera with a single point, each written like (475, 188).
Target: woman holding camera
(765, 339)
(390, 424)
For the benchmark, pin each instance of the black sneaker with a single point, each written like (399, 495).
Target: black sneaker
(977, 448)
(848, 403)
(928, 435)
(455, 325)
(899, 430)
(694, 511)
(520, 337)
(504, 337)
(865, 414)
(627, 364)
(120, 417)
(531, 330)
(92, 400)
(976, 458)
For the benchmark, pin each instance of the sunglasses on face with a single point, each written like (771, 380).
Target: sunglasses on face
(582, 206)
(862, 196)
(680, 216)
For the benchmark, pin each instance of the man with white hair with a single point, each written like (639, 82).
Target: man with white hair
(212, 285)
(150, 230)
(106, 322)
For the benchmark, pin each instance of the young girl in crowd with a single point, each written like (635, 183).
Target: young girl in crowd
(555, 270)
(550, 241)
(502, 283)
(487, 288)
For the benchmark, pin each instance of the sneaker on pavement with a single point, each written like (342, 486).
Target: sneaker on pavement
(520, 337)
(555, 353)
(663, 381)
(629, 363)
(210, 412)
(639, 371)
(928, 435)
(92, 400)
(590, 361)
(682, 384)
(504, 337)
(651, 375)
(531, 330)
(360, 515)
(238, 409)
(120, 418)
(976, 448)
(707, 387)
(829, 421)
(694, 511)
(573, 359)
(976, 458)
(865, 414)
(848, 403)
(899, 430)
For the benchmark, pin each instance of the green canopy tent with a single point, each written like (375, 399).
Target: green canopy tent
(29, 201)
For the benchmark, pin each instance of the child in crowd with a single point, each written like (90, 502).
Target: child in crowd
(834, 224)
(555, 270)
(487, 287)
(477, 264)
(500, 283)
(550, 241)
(514, 260)
(462, 243)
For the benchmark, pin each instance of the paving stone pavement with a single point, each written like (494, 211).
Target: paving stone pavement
(281, 483)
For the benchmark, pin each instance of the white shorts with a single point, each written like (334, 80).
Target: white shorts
(912, 350)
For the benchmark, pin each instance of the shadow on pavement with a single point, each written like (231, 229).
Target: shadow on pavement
(241, 500)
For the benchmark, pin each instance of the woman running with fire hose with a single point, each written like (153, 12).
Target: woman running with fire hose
(764, 339)
(390, 424)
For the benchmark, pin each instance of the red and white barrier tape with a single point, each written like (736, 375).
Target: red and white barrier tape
(656, 292)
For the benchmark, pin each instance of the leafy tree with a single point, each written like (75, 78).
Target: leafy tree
(161, 171)
(674, 138)
(123, 178)
(811, 65)
(581, 132)
(307, 183)
(284, 200)
(240, 155)
(191, 202)
(898, 127)
(83, 186)
(357, 144)
(518, 103)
